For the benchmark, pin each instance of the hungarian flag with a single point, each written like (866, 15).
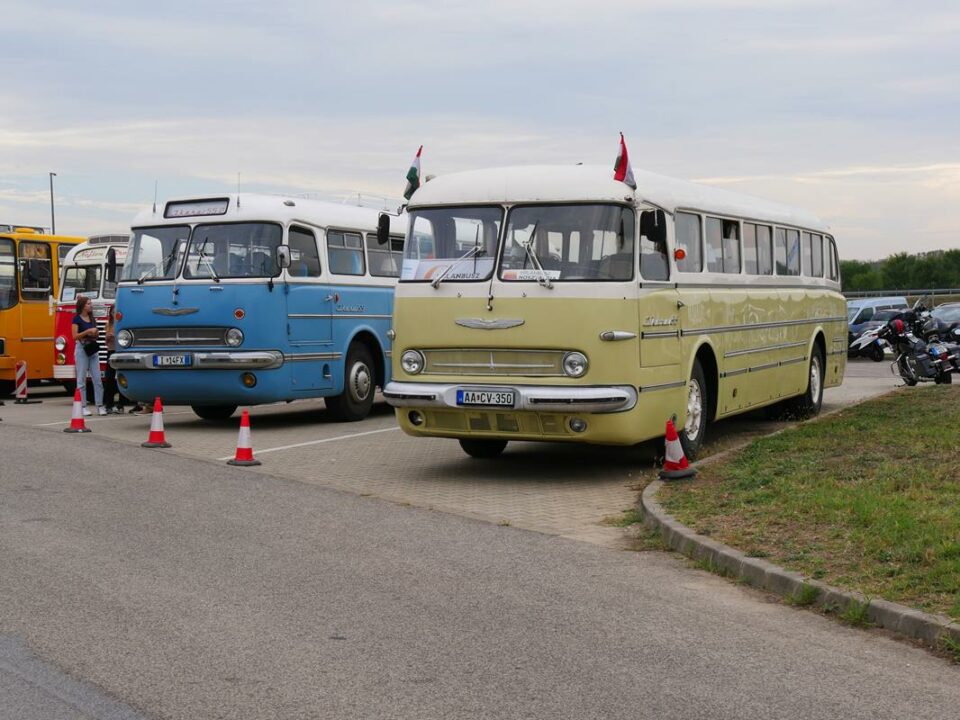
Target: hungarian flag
(621, 168)
(413, 176)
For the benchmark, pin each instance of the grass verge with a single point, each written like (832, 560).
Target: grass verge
(867, 499)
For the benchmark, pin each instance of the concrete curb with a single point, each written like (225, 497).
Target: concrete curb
(727, 561)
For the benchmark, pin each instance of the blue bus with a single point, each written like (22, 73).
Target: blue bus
(248, 299)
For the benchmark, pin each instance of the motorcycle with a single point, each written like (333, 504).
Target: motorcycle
(872, 350)
(919, 359)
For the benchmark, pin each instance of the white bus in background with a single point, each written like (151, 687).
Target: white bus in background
(86, 270)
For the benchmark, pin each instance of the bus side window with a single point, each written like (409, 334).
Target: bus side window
(385, 260)
(345, 253)
(788, 251)
(653, 248)
(304, 257)
(35, 271)
(688, 238)
(834, 267)
(723, 245)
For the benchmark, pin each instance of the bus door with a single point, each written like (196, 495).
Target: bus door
(35, 269)
(658, 308)
(309, 315)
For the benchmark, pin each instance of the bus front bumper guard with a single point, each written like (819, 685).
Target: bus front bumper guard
(536, 398)
(200, 360)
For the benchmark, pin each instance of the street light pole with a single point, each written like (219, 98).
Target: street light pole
(53, 219)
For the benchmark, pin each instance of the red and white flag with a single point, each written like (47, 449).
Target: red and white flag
(621, 169)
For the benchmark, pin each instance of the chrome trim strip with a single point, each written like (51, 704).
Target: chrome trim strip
(253, 360)
(662, 386)
(608, 399)
(734, 373)
(759, 326)
(791, 361)
(661, 334)
(36, 339)
(334, 316)
(302, 357)
(781, 346)
(766, 366)
(492, 324)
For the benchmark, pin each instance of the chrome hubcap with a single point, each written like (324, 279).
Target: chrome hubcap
(815, 378)
(694, 411)
(360, 382)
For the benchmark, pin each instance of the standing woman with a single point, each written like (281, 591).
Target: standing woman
(86, 354)
(113, 398)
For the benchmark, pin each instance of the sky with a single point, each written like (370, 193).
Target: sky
(847, 108)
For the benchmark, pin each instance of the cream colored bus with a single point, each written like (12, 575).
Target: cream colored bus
(557, 304)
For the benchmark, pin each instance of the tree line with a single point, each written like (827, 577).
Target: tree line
(903, 271)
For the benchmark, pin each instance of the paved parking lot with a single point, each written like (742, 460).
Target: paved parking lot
(557, 489)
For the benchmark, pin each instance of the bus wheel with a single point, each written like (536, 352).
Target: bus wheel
(808, 404)
(214, 412)
(483, 449)
(694, 430)
(359, 387)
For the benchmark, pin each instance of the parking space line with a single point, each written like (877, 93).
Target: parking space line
(318, 442)
(97, 418)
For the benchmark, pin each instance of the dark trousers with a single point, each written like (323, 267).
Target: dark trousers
(111, 393)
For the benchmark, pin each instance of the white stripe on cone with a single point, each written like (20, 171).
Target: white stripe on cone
(674, 452)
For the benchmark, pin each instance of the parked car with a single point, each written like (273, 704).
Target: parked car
(861, 311)
(948, 312)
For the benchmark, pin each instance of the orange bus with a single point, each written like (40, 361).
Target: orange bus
(29, 280)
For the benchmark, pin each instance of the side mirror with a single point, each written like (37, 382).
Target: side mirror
(383, 230)
(111, 265)
(283, 257)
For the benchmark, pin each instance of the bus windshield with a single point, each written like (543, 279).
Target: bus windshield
(155, 253)
(568, 242)
(234, 250)
(8, 274)
(456, 243)
(80, 280)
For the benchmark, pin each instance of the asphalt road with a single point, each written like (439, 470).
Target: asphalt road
(149, 584)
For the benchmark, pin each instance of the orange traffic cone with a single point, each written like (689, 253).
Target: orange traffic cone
(244, 456)
(675, 465)
(156, 438)
(77, 425)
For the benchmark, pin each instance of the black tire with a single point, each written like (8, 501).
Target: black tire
(483, 449)
(907, 373)
(876, 353)
(7, 388)
(944, 378)
(694, 431)
(214, 412)
(359, 387)
(809, 404)
(69, 386)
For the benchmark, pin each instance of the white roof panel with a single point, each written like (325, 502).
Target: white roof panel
(595, 183)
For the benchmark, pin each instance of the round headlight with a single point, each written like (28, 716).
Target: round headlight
(575, 364)
(412, 362)
(234, 337)
(124, 338)
(60, 343)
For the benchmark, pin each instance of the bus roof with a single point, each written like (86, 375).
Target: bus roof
(595, 183)
(271, 208)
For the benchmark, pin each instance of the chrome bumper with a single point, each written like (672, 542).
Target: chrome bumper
(203, 360)
(537, 398)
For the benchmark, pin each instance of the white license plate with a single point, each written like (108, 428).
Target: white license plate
(172, 360)
(500, 398)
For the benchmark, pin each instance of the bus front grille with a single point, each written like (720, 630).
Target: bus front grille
(493, 361)
(179, 337)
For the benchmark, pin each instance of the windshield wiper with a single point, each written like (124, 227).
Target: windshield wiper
(163, 263)
(206, 260)
(544, 279)
(474, 252)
